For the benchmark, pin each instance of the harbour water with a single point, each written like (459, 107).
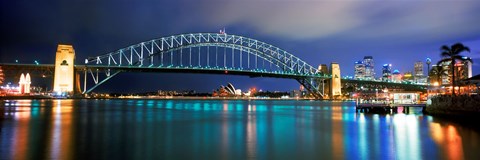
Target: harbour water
(224, 129)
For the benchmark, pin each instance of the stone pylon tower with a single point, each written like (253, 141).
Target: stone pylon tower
(335, 82)
(64, 69)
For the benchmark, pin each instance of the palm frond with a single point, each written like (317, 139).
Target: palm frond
(439, 63)
(459, 47)
(445, 54)
(458, 57)
(460, 50)
(445, 48)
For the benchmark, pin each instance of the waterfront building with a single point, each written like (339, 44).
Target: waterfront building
(446, 79)
(24, 84)
(296, 94)
(359, 70)
(225, 91)
(463, 70)
(387, 72)
(369, 67)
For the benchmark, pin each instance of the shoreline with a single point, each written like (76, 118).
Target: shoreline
(469, 120)
(166, 97)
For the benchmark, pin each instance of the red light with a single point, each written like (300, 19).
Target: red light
(226, 72)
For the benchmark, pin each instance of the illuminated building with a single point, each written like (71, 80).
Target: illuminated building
(228, 90)
(463, 70)
(387, 72)
(369, 67)
(323, 68)
(418, 69)
(335, 83)
(418, 73)
(408, 76)
(64, 69)
(359, 70)
(24, 84)
(1, 75)
(396, 76)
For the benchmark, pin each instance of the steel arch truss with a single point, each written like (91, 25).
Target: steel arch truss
(167, 52)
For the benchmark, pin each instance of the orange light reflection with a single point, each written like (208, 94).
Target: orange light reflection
(448, 138)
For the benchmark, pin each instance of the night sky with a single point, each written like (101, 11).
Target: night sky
(344, 31)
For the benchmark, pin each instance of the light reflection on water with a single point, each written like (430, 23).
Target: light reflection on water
(223, 129)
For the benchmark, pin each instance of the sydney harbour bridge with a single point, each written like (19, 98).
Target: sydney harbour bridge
(208, 53)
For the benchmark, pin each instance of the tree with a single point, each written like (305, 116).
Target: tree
(437, 72)
(452, 55)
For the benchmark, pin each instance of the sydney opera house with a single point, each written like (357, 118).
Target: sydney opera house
(227, 91)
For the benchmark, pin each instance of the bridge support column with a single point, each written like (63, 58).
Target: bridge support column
(64, 69)
(335, 82)
(84, 81)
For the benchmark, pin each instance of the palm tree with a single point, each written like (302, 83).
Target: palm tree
(452, 54)
(437, 72)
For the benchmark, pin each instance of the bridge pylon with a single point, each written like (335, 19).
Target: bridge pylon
(64, 69)
(335, 82)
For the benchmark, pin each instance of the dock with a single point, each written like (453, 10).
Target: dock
(386, 108)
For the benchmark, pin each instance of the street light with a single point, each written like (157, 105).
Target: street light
(428, 61)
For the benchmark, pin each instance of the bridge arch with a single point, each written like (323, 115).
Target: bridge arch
(175, 52)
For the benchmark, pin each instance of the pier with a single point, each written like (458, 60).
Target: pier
(385, 108)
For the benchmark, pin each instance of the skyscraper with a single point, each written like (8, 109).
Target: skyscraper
(359, 70)
(418, 73)
(387, 72)
(369, 67)
(418, 69)
(463, 69)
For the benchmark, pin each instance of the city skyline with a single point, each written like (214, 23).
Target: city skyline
(394, 33)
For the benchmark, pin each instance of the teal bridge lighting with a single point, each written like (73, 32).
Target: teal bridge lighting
(206, 53)
(217, 53)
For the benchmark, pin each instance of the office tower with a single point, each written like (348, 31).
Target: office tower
(418, 69)
(359, 70)
(369, 67)
(387, 72)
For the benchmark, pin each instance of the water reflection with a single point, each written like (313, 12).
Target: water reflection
(61, 134)
(223, 129)
(447, 136)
